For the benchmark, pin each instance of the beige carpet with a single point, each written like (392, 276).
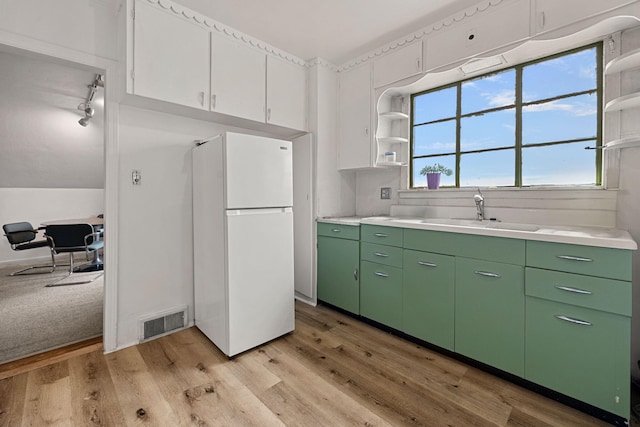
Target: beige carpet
(34, 318)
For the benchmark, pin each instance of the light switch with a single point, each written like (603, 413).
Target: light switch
(385, 193)
(136, 177)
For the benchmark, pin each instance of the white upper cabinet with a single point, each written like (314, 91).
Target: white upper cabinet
(482, 32)
(401, 63)
(286, 94)
(170, 57)
(238, 86)
(354, 118)
(552, 14)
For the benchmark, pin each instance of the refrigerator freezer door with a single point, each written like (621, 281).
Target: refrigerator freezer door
(259, 172)
(260, 276)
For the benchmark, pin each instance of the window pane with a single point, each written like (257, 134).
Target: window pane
(445, 181)
(493, 168)
(492, 130)
(440, 104)
(567, 74)
(558, 165)
(560, 120)
(495, 90)
(436, 138)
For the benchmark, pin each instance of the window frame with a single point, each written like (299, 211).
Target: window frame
(518, 106)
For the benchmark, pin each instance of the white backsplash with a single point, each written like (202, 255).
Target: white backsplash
(591, 207)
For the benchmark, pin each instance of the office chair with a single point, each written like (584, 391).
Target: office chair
(21, 236)
(70, 238)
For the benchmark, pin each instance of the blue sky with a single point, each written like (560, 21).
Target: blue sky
(567, 118)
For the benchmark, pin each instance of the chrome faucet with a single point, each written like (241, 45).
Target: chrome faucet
(479, 199)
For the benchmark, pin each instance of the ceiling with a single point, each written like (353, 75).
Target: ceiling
(335, 30)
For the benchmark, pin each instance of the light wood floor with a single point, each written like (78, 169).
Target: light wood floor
(332, 371)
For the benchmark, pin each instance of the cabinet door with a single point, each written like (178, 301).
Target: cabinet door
(381, 294)
(489, 319)
(402, 63)
(428, 297)
(551, 14)
(338, 281)
(237, 79)
(580, 352)
(286, 94)
(171, 57)
(500, 25)
(354, 118)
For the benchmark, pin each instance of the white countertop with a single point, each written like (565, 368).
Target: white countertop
(346, 220)
(589, 236)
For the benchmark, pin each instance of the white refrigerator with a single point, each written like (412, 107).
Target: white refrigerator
(243, 240)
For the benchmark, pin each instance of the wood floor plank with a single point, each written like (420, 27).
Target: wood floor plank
(13, 391)
(93, 396)
(27, 364)
(48, 397)
(139, 396)
(330, 406)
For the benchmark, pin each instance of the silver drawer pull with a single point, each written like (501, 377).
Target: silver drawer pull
(486, 273)
(427, 264)
(355, 274)
(574, 258)
(336, 230)
(381, 235)
(378, 273)
(380, 254)
(574, 290)
(572, 320)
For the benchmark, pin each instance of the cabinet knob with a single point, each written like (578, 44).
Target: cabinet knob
(355, 274)
(213, 102)
(418, 64)
(268, 114)
(201, 97)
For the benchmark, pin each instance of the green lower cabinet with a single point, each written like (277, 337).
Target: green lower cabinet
(381, 293)
(338, 264)
(428, 297)
(489, 318)
(580, 352)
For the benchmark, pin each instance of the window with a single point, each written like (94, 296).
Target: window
(522, 126)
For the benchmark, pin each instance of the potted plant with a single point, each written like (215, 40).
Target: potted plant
(433, 174)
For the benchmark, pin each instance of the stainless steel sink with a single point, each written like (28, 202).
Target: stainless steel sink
(460, 222)
(513, 226)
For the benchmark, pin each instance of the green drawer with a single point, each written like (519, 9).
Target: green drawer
(381, 293)
(391, 236)
(388, 255)
(588, 361)
(342, 231)
(586, 291)
(510, 251)
(589, 260)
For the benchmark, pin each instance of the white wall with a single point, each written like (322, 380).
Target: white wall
(41, 143)
(84, 25)
(36, 205)
(155, 236)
